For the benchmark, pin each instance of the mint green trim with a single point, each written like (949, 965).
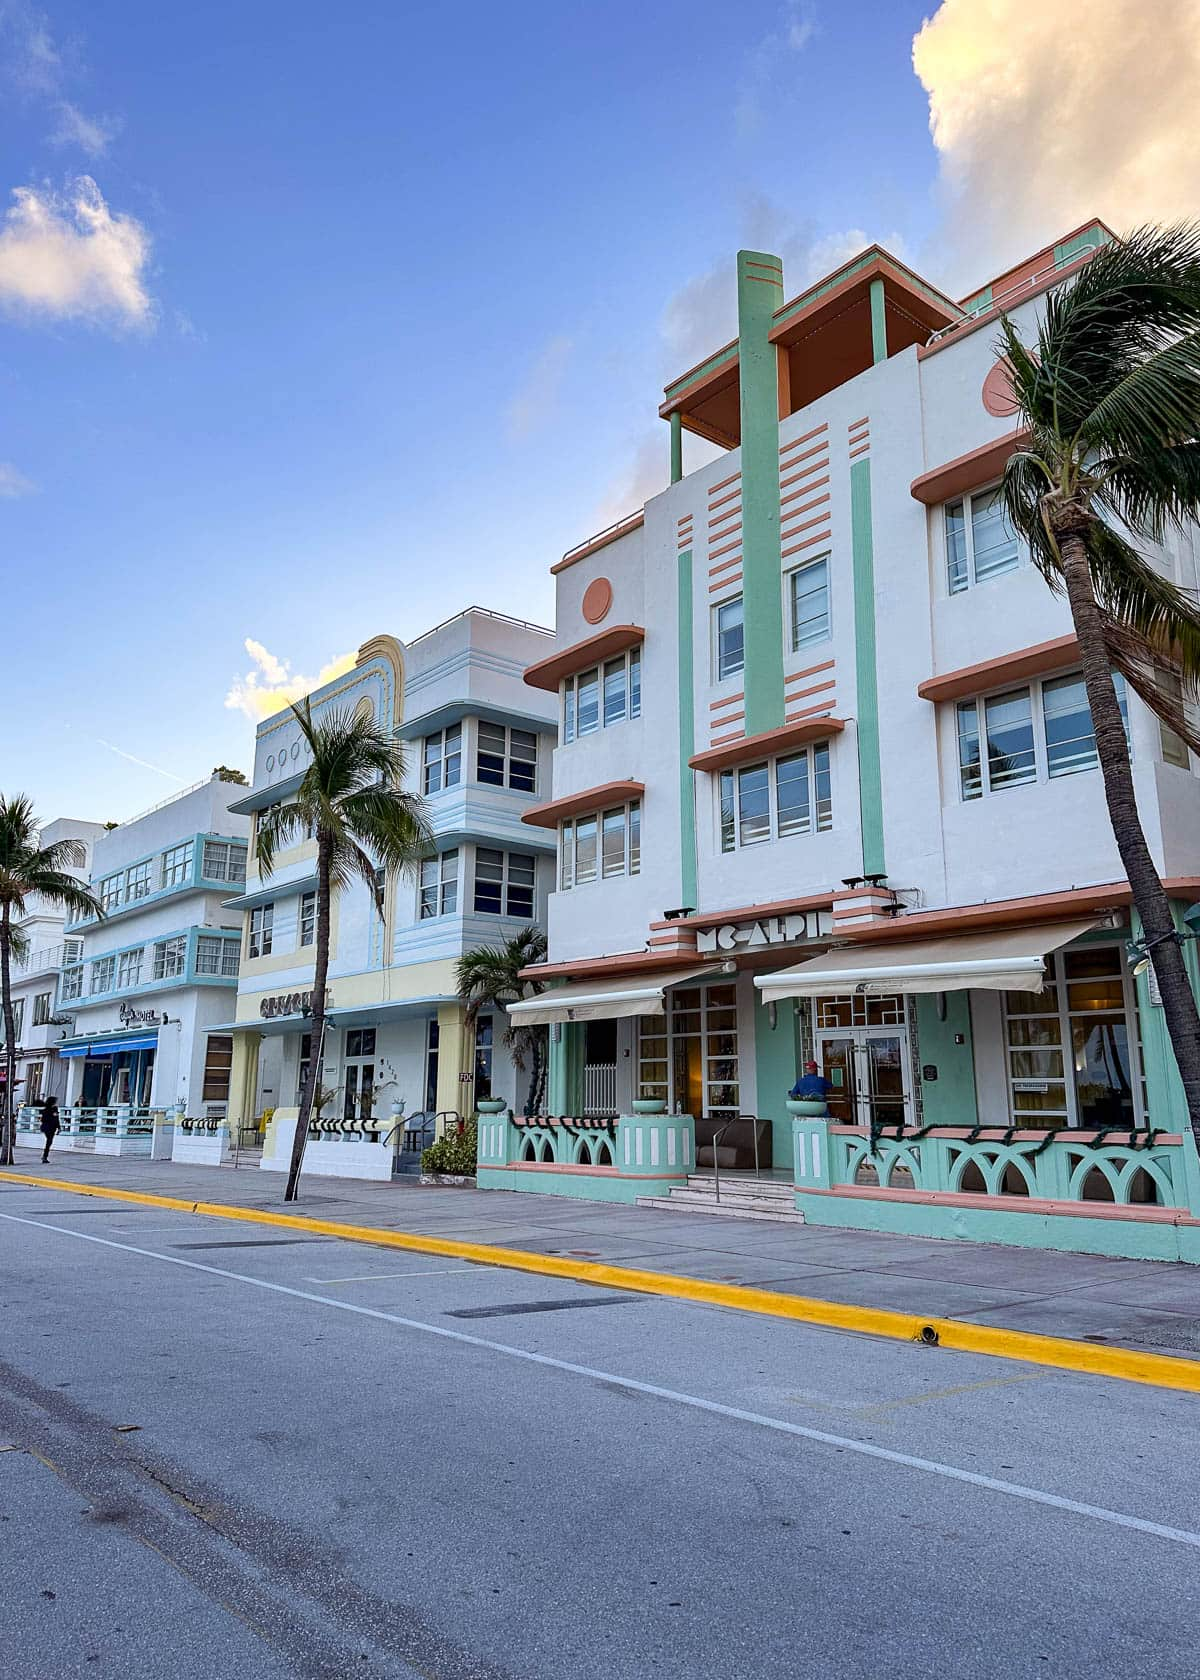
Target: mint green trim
(725, 356)
(1165, 1102)
(948, 1100)
(676, 446)
(870, 780)
(761, 589)
(687, 734)
(564, 1078)
(878, 322)
(776, 1067)
(855, 267)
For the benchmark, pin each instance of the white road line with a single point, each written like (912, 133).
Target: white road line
(844, 1443)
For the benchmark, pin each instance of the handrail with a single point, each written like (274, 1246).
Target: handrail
(716, 1138)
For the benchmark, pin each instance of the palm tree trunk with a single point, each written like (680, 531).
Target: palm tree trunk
(317, 1019)
(9, 1138)
(1112, 749)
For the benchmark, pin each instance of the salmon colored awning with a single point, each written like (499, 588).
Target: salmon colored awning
(1027, 662)
(967, 472)
(582, 803)
(770, 742)
(548, 673)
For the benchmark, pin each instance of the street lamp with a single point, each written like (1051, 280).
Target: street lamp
(1137, 951)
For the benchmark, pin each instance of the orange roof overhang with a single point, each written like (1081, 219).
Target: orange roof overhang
(587, 800)
(623, 962)
(1009, 667)
(967, 472)
(548, 673)
(1013, 912)
(768, 742)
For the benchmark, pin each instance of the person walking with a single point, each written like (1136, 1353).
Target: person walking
(51, 1125)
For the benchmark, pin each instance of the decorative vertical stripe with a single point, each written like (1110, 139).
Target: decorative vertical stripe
(671, 1146)
(654, 1151)
(878, 322)
(758, 366)
(870, 781)
(687, 732)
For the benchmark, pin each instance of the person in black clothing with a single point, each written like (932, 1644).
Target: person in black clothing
(51, 1124)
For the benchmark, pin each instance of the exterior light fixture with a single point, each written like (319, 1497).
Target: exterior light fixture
(1137, 951)
(677, 915)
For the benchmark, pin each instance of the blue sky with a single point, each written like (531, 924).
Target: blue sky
(365, 312)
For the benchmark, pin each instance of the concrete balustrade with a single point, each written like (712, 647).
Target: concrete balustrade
(595, 1159)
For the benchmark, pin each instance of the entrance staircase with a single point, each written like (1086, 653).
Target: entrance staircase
(742, 1197)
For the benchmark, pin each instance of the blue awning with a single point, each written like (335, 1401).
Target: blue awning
(109, 1046)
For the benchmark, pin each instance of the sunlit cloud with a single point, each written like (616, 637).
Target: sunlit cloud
(1044, 116)
(272, 684)
(93, 135)
(68, 257)
(14, 483)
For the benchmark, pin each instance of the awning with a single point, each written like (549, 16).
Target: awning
(604, 1000)
(1012, 960)
(108, 1046)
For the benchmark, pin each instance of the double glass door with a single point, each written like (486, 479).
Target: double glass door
(868, 1069)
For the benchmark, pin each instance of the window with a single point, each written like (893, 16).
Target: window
(359, 1074)
(439, 885)
(109, 892)
(129, 968)
(785, 796)
(484, 1038)
(1173, 747)
(504, 883)
(308, 918)
(808, 603)
(603, 696)
(689, 1058)
(170, 957)
(1070, 1046)
(1028, 735)
(215, 955)
(33, 1082)
(18, 1010)
(432, 1042)
(218, 1066)
(223, 861)
(506, 757)
(607, 844)
(41, 1008)
(103, 970)
(72, 985)
(137, 882)
(304, 1065)
(72, 950)
(176, 866)
(729, 626)
(980, 542)
(442, 760)
(262, 921)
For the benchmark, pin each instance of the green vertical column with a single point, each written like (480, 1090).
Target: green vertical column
(687, 733)
(870, 781)
(760, 292)
(878, 323)
(676, 446)
(1165, 1100)
(564, 1077)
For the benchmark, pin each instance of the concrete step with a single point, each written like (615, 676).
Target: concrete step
(679, 1201)
(762, 1189)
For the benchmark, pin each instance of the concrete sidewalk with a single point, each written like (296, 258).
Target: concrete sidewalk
(1143, 1304)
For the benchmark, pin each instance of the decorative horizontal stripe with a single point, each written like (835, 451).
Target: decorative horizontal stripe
(728, 549)
(804, 438)
(724, 566)
(724, 740)
(728, 700)
(807, 525)
(807, 490)
(721, 500)
(818, 466)
(732, 479)
(821, 537)
(809, 671)
(823, 710)
(816, 688)
(724, 723)
(854, 453)
(817, 449)
(730, 582)
(855, 424)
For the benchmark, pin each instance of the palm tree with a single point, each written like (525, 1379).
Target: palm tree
(352, 799)
(490, 978)
(29, 871)
(1110, 393)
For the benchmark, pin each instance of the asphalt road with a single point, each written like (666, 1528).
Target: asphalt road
(237, 1453)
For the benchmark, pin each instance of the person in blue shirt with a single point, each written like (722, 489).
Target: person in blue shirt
(811, 1086)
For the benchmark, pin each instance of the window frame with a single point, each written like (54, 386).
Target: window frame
(43, 1008)
(306, 921)
(129, 967)
(567, 874)
(507, 886)
(507, 758)
(970, 579)
(720, 672)
(105, 966)
(233, 853)
(442, 758)
(443, 886)
(260, 930)
(1035, 688)
(174, 866)
(631, 695)
(789, 608)
(170, 957)
(139, 881)
(731, 778)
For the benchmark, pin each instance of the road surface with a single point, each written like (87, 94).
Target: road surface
(241, 1453)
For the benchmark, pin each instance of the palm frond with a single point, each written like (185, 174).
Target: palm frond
(1130, 591)
(395, 824)
(275, 832)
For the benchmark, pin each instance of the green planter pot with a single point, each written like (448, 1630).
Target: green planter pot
(491, 1105)
(649, 1105)
(812, 1108)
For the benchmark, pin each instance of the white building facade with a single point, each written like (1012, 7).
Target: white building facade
(860, 729)
(41, 1071)
(479, 749)
(157, 974)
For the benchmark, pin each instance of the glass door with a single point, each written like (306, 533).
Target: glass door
(868, 1069)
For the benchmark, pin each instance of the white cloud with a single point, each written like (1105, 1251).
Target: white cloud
(31, 59)
(13, 482)
(536, 399)
(272, 684)
(93, 134)
(1044, 116)
(70, 258)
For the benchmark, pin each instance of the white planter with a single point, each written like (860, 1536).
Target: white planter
(202, 1148)
(337, 1158)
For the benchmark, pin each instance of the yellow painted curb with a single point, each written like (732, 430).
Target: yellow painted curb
(1156, 1369)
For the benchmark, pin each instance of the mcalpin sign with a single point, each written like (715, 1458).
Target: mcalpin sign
(770, 930)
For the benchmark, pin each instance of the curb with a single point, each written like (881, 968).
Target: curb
(1157, 1370)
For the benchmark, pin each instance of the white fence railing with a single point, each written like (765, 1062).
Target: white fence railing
(599, 1090)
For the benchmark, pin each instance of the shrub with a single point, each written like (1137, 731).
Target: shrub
(454, 1153)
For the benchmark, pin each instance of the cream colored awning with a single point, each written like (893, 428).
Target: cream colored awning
(604, 1000)
(1012, 960)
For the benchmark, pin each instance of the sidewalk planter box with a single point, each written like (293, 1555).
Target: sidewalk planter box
(1116, 1193)
(202, 1144)
(596, 1160)
(334, 1155)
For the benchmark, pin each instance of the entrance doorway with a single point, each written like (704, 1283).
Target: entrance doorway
(868, 1069)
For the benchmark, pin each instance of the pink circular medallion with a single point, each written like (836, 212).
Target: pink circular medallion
(597, 599)
(997, 391)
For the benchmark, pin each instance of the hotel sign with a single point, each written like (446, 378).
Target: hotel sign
(131, 1017)
(796, 929)
(290, 1003)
